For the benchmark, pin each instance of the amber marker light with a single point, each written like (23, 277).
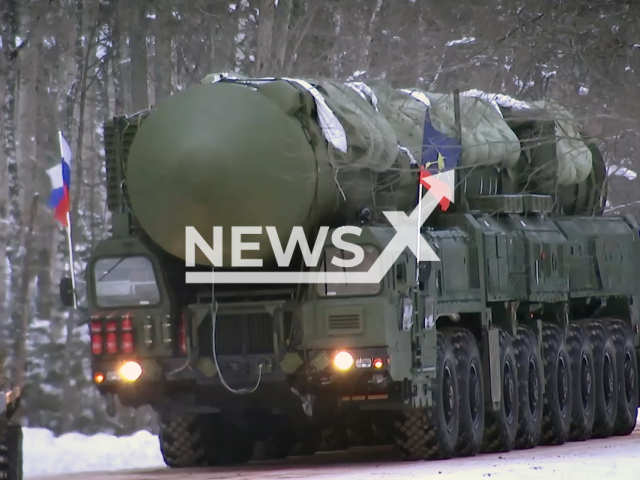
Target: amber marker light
(131, 371)
(343, 361)
(98, 378)
(378, 363)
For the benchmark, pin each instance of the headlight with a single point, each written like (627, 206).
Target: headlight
(131, 371)
(407, 314)
(343, 361)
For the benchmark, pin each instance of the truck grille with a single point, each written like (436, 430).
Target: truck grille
(244, 334)
(344, 324)
(118, 137)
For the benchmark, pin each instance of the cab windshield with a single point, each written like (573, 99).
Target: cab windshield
(348, 289)
(125, 282)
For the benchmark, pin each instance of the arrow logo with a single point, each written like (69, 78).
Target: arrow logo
(439, 191)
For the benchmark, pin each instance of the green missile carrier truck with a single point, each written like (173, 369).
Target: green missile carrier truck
(519, 325)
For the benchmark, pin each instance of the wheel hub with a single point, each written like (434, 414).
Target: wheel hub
(629, 376)
(563, 384)
(533, 387)
(586, 381)
(608, 382)
(449, 400)
(474, 395)
(508, 392)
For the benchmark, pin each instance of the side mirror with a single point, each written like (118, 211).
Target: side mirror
(66, 292)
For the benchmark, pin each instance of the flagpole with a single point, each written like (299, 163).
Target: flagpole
(68, 229)
(419, 225)
(71, 264)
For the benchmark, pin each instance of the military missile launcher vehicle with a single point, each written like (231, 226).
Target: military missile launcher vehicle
(518, 325)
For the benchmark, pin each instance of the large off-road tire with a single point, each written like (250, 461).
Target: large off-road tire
(431, 433)
(530, 382)
(182, 441)
(627, 364)
(190, 440)
(606, 379)
(308, 435)
(335, 438)
(583, 408)
(282, 440)
(11, 452)
(501, 427)
(470, 389)
(556, 420)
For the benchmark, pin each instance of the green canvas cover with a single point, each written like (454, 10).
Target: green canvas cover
(574, 157)
(371, 140)
(369, 125)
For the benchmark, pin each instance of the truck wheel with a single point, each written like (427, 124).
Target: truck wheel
(501, 427)
(471, 390)
(335, 438)
(431, 433)
(627, 365)
(530, 381)
(556, 420)
(11, 452)
(309, 440)
(189, 440)
(182, 440)
(606, 384)
(583, 409)
(281, 443)
(229, 444)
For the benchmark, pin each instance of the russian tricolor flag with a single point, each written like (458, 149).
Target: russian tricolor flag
(60, 183)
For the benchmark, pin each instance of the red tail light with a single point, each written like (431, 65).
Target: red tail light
(96, 344)
(112, 343)
(115, 338)
(96, 338)
(127, 342)
(127, 324)
(96, 327)
(182, 334)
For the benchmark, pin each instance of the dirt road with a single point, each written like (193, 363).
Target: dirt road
(613, 457)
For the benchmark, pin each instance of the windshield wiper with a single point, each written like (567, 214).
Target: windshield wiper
(111, 269)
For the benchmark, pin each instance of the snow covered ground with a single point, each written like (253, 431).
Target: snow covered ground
(45, 455)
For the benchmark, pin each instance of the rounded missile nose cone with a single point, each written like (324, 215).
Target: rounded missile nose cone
(220, 155)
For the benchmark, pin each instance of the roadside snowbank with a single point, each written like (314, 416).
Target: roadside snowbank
(74, 453)
(46, 455)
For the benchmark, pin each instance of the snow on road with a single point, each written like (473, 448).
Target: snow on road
(73, 453)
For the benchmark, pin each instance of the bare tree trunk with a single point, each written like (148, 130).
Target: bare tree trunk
(116, 55)
(302, 28)
(10, 24)
(20, 346)
(363, 57)
(335, 58)
(265, 36)
(138, 47)
(45, 150)
(281, 34)
(162, 61)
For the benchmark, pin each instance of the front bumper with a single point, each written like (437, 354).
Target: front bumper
(367, 379)
(175, 383)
